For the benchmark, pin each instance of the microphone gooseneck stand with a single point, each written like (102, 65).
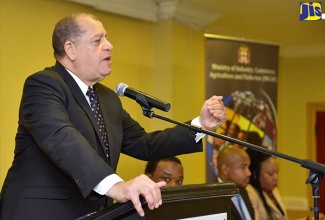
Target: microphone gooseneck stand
(316, 170)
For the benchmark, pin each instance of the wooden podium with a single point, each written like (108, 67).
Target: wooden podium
(179, 202)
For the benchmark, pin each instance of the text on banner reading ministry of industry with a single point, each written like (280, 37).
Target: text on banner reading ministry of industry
(236, 72)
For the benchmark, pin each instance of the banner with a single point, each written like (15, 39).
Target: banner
(245, 73)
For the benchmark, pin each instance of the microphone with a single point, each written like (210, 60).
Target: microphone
(143, 99)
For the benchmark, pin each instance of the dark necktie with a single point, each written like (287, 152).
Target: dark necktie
(95, 107)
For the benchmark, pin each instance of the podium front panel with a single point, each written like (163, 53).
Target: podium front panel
(194, 201)
(179, 202)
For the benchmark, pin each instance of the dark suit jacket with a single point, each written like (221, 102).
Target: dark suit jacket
(59, 157)
(234, 212)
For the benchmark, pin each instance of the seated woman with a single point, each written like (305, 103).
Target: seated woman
(263, 191)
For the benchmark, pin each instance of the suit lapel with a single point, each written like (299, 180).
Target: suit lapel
(80, 98)
(244, 195)
(271, 204)
(234, 212)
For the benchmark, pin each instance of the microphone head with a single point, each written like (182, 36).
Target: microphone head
(120, 89)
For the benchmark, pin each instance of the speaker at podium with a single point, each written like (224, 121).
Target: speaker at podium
(193, 202)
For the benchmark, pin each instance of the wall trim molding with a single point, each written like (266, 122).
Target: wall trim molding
(295, 51)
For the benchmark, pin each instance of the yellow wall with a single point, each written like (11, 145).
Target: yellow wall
(301, 81)
(144, 57)
(164, 59)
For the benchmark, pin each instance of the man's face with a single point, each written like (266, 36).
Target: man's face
(238, 170)
(269, 174)
(170, 172)
(93, 51)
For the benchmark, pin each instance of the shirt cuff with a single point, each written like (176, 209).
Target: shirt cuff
(196, 122)
(107, 183)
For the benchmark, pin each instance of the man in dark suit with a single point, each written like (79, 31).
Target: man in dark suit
(72, 130)
(233, 165)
